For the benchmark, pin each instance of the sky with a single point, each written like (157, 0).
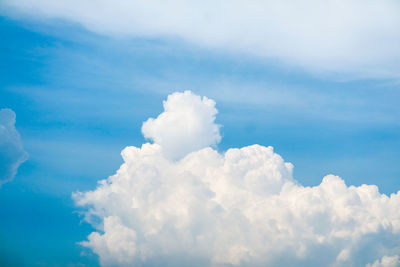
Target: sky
(149, 134)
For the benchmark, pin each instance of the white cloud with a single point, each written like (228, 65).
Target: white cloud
(240, 208)
(386, 261)
(186, 125)
(12, 153)
(359, 37)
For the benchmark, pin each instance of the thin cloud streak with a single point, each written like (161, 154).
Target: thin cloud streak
(356, 38)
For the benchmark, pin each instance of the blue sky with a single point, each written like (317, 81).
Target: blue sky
(81, 96)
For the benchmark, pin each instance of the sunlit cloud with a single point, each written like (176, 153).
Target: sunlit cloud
(241, 207)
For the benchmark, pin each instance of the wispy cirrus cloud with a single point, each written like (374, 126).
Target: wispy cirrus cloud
(356, 38)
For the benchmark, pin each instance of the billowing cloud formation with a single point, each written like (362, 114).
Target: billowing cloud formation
(187, 124)
(386, 261)
(239, 208)
(12, 153)
(356, 36)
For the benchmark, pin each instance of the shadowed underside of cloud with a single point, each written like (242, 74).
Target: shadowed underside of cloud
(238, 208)
(12, 153)
(357, 37)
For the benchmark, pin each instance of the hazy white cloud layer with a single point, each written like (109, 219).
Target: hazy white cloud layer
(12, 153)
(360, 37)
(238, 208)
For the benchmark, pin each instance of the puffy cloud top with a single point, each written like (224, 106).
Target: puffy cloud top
(359, 37)
(12, 153)
(239, 208)
(187, 124)
(386, 261)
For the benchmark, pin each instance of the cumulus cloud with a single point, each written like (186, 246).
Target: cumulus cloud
(186, 125)
(12, 153)
(238, 208)
(386, 261)
(336, 36)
